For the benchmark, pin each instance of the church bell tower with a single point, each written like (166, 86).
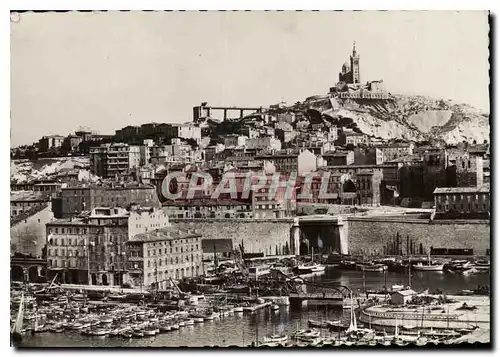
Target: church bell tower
(356, 79)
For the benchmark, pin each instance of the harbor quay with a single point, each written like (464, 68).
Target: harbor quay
(461, 312)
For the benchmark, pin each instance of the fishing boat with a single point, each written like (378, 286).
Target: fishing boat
(307, 335)
(151, 332)
(309, 268)
(117, 297)
(127, 334)
(276, 338)
(482, 264)
(16, 331)
(238, 309)
(99, 332)
(319, 324)
(375, 268)
(165, 328)
(347, 265)
(430, 266)
(137, 333)
(106, 320)
(460, 266)
(198, 320)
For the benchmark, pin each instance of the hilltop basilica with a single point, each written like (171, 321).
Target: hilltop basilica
(349, 85)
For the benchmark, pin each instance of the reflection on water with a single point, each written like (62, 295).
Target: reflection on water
(241, 330)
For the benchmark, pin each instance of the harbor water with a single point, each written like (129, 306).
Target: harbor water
(243, 329)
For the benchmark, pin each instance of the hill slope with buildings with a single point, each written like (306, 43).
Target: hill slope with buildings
(406, 117)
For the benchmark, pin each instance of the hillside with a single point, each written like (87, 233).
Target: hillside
(404, 117)
(26, 170)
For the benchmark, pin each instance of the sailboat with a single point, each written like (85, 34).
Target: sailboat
(16, 332)
(430, 266)
(311, 267)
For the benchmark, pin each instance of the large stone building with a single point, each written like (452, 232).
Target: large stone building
(50, 142)
(92, 246)
(286, 161)
(395, 151)
(27, 231)
(469, 171)
(266, 142)
(208, 208)
(183, 131)
(24, 201)
(85, 197)
(157, 256)
(462, 202)
(113, 160)
(337, 158)
(368, 184)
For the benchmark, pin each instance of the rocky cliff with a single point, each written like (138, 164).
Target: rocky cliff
(403, 117)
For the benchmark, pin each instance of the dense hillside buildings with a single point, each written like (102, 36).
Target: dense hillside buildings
(113, 160)
(91, 247)
(286, 161)
(76, 199)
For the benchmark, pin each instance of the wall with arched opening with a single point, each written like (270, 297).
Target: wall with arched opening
(16, 273)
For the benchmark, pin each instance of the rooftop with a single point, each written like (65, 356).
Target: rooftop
(374, 166)
(336, 153)
(394, 145)
(164, 234)
(26, 214)
(205, 202)
(25, 196)
(107, 184)
(406, 292)
(445, 190)
(353, 133)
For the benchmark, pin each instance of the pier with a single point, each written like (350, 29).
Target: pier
(330, 299)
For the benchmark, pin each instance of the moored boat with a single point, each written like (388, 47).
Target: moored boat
(277, 338)
(376, 268)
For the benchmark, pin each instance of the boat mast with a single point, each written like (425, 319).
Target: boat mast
(364, 276)
(448, 316)
(256, 331)
(18, 324)
(409, 272)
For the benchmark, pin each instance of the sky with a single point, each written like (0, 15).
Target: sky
(109, 70)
